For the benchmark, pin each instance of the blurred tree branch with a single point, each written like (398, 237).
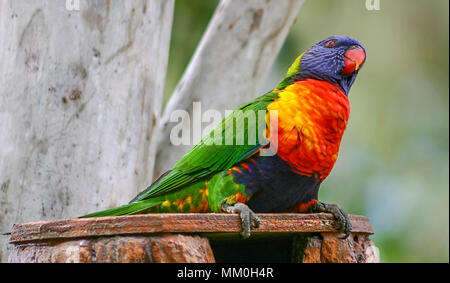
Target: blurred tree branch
(229, 66)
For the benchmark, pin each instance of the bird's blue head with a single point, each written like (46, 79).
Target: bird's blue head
(336, 59)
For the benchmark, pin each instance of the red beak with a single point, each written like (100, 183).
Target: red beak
(354, 58)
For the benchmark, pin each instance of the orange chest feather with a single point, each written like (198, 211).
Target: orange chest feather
(312, 117)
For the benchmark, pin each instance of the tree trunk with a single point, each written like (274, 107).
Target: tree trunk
(80, 93)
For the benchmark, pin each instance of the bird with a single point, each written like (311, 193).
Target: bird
(282, 170)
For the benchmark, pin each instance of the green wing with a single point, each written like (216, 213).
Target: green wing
(207, 158)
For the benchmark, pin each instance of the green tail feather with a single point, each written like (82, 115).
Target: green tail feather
(127, 209)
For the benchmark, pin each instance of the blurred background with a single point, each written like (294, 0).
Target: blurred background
(394, 160)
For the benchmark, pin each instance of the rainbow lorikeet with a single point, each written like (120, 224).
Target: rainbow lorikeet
(313, 110)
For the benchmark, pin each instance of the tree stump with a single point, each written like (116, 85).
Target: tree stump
(192, 238)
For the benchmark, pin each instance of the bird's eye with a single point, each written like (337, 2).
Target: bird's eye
(330, 43)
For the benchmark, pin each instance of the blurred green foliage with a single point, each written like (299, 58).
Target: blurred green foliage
(394, 160)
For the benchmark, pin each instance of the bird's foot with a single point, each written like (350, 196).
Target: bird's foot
(339, 214)
(247, 216)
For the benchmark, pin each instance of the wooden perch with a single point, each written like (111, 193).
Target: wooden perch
(187, 237)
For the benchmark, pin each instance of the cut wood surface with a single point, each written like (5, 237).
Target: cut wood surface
(178, 223)
(123, 249)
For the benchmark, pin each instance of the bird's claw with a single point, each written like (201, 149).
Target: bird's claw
(339, 214)
(247, 217)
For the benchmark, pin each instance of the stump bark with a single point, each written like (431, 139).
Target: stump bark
(309, 238)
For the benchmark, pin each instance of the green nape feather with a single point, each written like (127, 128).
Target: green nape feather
(293, 69)
(127, 209)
